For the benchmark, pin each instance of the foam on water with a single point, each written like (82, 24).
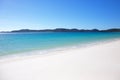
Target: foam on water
(21, 43)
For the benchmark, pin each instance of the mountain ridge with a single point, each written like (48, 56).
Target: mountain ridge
(65, 30)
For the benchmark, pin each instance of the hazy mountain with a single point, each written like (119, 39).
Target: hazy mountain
(67, 30)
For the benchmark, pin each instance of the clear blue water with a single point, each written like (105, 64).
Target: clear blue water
(14, 43)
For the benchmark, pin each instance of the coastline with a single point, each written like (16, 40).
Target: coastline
(27, 54)
(97, 62)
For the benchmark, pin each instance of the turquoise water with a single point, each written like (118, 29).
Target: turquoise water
(15, 43)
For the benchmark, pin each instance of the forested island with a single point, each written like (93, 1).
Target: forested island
(65, 30)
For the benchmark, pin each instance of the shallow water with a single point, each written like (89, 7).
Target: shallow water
(15, 43)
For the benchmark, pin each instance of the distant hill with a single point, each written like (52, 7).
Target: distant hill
(111, 30)
(68, 30)
(56, 30)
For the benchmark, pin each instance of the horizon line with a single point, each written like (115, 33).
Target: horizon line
(62, 28)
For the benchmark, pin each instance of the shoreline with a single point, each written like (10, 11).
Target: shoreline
(97, 62)
(55, 50)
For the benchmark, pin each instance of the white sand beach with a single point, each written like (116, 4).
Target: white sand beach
(98, 62)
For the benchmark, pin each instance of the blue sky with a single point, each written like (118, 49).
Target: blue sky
(44, 14)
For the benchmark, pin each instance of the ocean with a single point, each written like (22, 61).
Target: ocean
(17, 43)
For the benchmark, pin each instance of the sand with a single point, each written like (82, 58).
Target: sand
(98, 62)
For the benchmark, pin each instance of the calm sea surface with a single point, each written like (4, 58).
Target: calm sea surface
(15, 43)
